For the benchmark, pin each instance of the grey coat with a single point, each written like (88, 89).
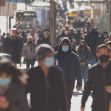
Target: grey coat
(29, 51)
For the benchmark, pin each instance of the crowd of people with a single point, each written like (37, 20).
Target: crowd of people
(78, 55)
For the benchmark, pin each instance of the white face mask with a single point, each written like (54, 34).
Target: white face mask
(49, 61)
(4, 82)
(65, 48)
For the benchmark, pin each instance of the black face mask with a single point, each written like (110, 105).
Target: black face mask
(30, 42)
(104, 58)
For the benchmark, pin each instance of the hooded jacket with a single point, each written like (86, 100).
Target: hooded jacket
(69, 62)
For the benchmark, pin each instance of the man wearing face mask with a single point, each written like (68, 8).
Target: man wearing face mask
(29, 52)
(98, 80)
(46, 84)
(70, 64)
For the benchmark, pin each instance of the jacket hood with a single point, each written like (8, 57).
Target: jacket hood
(60, 45)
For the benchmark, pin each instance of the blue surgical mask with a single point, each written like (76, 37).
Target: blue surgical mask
(5, 82)
(65, 48)
(49, 61)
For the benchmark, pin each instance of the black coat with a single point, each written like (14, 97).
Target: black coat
(16, 97)
(70, 64)
(7, 45)
(97, 80)
(16, 49)
(47, 94)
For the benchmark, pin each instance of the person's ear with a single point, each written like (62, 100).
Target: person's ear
(97, 54)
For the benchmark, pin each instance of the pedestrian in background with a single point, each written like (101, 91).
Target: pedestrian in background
(46, 84)
(16, 47)
(70, 64)
(7, 44)
(29, 52)
(99, 78)
(85, 56)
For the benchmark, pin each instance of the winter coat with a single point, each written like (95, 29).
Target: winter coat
(43, 41)
(93, 41)
(17, 98)
(70, 64)
(47, 94)
(16, 49)
(29, 51)
(97, 80)
(7, 45)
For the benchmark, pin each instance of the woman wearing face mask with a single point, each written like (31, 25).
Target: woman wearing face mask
(70, 64)
(12, 91)
(46, 84)
(85, 57)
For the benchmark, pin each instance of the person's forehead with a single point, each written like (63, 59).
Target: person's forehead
(65, 42)
(5, 75)
(103, 50)
(49, 53)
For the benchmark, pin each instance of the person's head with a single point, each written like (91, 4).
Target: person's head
(65, 45)
(105, 35)
(66, 32)
(29, 39)
(46, 33)
(108, 43)
(8, 34)
(14, 33)
(9, 73)
(4, 34)
(103, 53)
(45, 55)
(83, 45)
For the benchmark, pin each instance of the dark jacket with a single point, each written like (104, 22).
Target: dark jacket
(17, 98)
(97, 80)
(92, 40)
(16, 49)
(7, 45)
(70, 64)
(47, 94)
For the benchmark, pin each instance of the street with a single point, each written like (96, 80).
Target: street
(76, 99)
(76, 102)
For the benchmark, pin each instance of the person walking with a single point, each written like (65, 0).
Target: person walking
(29, 52)
(85, 56)
(70, 64)
(99, 77)
(7, 44)
(46, 84)
(16, 48)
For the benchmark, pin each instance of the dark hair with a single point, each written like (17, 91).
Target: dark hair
(9, 69)
(85, 45)
(102, 46)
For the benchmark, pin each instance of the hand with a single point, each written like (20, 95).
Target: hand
(78, 87)
(4, 104)
(108, 89)
(82, 108)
